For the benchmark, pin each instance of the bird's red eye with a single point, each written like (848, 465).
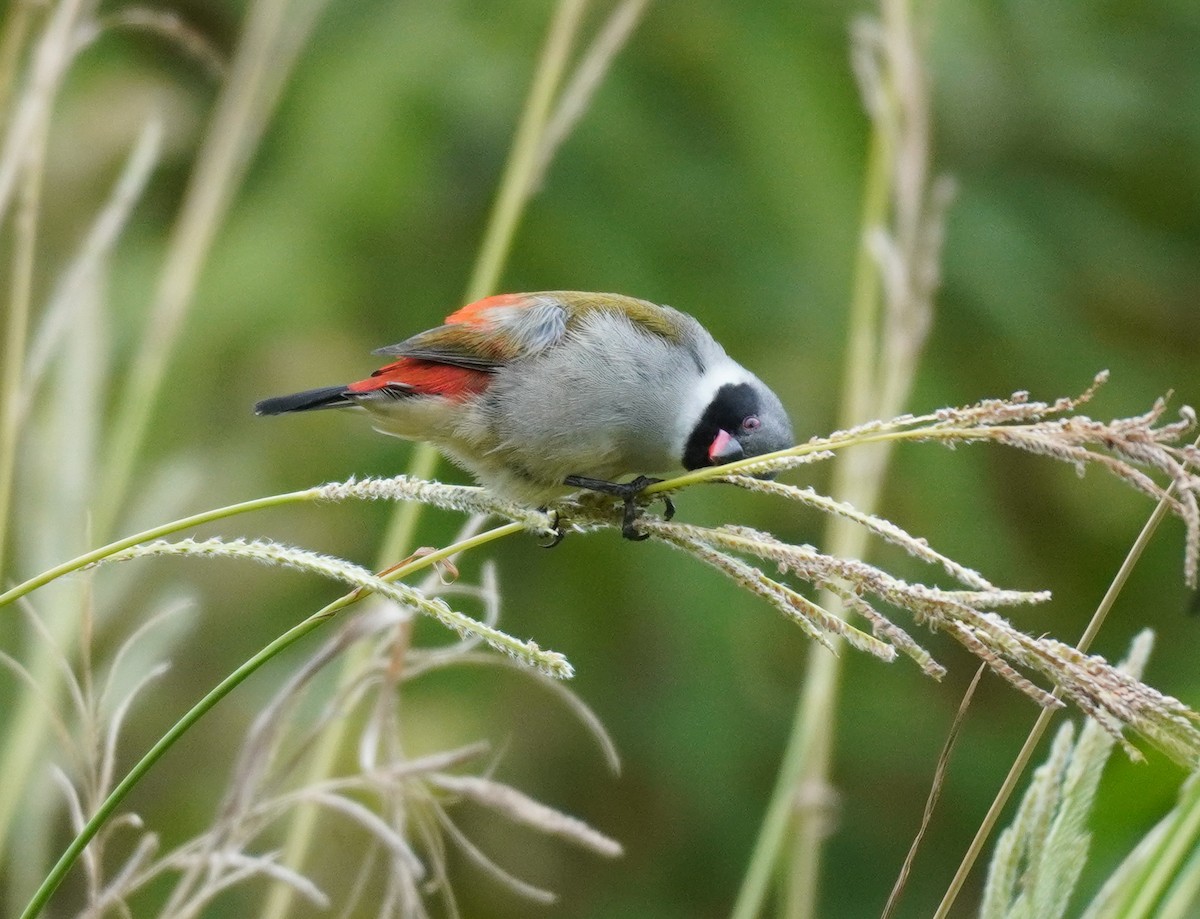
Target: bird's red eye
(751, 423)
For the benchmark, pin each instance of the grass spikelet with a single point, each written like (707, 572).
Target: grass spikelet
(515, 805)
(885, 529)
(465, 499)
(1039, 858)
(549, 662)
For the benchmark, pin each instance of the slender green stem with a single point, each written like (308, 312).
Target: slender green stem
(778, 818)
(222, 689)
(12, 43)
(261, 61)
(24, 252)
(935, 793)
(862, 338)
(24, 729)
(1043, 720)
(135, 775)
(402, 529)
(805, 760)
(948, 434)
(302, 825)
(166, 529)
(522, 165)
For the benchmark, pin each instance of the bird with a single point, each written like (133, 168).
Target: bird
(541, 394)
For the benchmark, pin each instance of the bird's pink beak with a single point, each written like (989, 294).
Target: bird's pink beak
(725, 449)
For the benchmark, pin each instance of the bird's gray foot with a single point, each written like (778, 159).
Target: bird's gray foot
(628, 492)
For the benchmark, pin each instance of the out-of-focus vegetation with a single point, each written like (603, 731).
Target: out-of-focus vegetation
(717, 169)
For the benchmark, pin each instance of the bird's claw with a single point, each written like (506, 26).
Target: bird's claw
(557, 531)
(628, 492)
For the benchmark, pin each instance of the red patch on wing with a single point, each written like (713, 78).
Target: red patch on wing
(426, 378)
(474, 313)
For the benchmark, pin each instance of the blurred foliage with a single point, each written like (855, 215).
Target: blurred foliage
(717, 170)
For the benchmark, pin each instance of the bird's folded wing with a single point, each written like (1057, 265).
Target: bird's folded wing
(489, 333)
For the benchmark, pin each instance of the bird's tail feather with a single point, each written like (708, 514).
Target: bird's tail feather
(325, 397)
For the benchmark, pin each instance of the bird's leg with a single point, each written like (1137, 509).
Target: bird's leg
(627, 492)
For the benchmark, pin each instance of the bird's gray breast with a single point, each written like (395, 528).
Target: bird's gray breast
(603, 402)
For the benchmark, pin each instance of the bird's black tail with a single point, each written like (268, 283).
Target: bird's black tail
(325, 397)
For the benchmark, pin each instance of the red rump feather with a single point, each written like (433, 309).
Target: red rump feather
(426, 378)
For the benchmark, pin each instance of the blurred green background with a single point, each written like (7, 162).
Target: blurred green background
(719, 170)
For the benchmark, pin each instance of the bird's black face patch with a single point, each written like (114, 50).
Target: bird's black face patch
(733, 404)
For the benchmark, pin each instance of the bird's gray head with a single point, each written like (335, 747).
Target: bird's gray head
(743, 419)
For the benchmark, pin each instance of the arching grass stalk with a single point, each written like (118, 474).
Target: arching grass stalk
(1125, 447)
(400, 488)
(222, 689)
(1043, 720)
(158, 532)
(1119, 447)
(1016, 422)
(270, 553)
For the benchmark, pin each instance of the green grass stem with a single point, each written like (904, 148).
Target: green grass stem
(806, 757)
(19, 308)
(166, 529)
(523, 160)
(56, 875)
(1008, 786)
